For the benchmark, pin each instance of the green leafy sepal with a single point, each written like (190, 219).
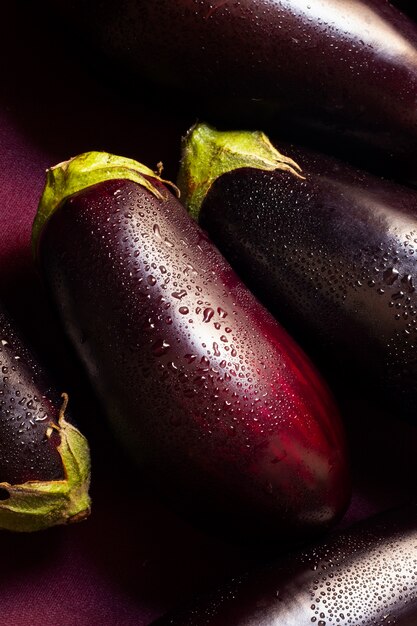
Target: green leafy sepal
(87, 169)
(38, 505)
(209, 153)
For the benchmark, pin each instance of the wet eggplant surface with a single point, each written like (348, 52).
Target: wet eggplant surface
(28, 407)
(333, 255)
(207, 391)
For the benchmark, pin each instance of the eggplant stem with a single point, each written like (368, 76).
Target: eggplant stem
(65, 400)
(87, 169)
(209, 153)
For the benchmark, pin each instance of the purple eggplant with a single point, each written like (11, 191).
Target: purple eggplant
(330, 250)
(343, 73)
(222, 410)
(365, 576)
(44, 459)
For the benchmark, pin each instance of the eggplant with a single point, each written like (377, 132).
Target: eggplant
(44, 459)
(343, 74)
(225, 415)
(330, 250)
(364, 576)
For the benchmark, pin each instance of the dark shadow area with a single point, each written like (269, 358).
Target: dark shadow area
(52, 88)
(383, 455)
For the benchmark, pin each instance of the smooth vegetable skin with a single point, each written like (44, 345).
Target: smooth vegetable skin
(44, 459)
(365, 576)
(221, 408)
(333, 255)
(341, 71)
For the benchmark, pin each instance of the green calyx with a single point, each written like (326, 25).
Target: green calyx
(87, 169)
(209, 153)
(40, 504)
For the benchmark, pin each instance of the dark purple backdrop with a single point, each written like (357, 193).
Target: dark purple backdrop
(133, 559)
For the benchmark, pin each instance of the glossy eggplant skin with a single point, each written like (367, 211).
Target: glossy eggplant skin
(44, 459)
(28, 407)
(334, 257)
(223, 411)
(364, 576)
(341, 73)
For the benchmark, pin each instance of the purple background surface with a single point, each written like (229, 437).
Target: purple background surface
(133, 559)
